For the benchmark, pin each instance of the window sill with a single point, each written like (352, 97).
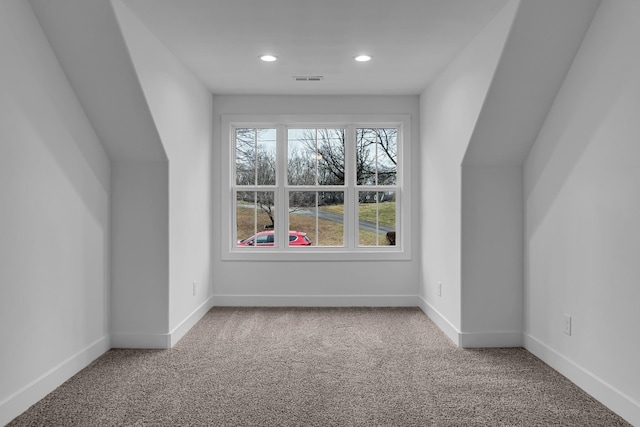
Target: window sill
(308, 254)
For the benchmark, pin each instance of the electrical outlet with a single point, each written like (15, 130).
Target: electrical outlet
(439, 289)
(566, 325)
(194, 289)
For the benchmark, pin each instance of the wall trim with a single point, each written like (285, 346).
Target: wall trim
(490, 339)
(22, 399)
(162, 341)
(470, 339)
(315, 300)
(605, 393)
(442, 322)
(189, 322)
(156, 341)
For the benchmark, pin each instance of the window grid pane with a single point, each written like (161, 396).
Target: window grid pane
(377, 156)
(377, 218)
(316, 156)
(318, 214)
(255, 218)
(255, 156)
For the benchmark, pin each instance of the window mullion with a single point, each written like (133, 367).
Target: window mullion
(255, 156)
(282, 195)
(350, 197)
(316, 220)
(255, 213)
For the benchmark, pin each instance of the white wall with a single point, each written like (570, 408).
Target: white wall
(582, 208)
(449, 110)
(54, 220)
(86, 39)
(182, 111)
(140, 255)
(317, 282)
(491, 256)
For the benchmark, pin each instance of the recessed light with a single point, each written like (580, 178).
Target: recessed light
(362, 58)
(269, 58)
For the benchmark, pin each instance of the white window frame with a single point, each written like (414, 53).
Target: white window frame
(350, 251)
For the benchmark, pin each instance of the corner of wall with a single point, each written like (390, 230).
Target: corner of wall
(445, 326)
(189, 322)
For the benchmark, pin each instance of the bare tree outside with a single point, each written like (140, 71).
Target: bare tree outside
(377, 156)
(255, 156)
(320, 153)
(316, 156)
(255, 152)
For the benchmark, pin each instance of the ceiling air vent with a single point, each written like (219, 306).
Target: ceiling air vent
(308, 78)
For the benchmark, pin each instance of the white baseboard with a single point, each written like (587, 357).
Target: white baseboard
(466, 339)
(155, 341)
(162, 341)
(21, 400)
(315, 300)
(179, 331)
(608, 395)
(490, 339)
(442, 322)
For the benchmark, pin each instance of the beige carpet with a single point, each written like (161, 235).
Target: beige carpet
(317, 367)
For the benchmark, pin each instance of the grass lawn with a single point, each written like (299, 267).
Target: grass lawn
(329, 233)
(367, 212)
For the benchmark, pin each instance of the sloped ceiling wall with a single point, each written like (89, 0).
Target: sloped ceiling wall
(544, 39)
(87, 41)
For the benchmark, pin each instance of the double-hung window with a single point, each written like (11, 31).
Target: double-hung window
(314, 187)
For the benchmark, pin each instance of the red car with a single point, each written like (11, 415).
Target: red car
(265, 238)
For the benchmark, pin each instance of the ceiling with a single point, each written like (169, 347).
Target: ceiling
(221, 41)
